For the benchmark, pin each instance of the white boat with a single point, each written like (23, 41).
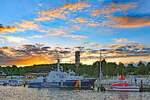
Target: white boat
(122, 85)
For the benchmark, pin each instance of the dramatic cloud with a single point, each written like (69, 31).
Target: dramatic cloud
(14, 39)
(8, 28)
(131, 22)
(67, 20)
(19, 27)
(27, 25)
(61, 12)
(105, 15)
(51, 32)
(54, 31)
(40, 54)
(113, 7)
(80, 20)
(59, 31)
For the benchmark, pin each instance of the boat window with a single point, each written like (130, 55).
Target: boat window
(71, 74)
(61, 76)
(64, 75)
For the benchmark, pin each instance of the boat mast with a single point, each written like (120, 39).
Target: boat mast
(100, 68)
(58, 65)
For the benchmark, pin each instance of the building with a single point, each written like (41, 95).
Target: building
(35, 75)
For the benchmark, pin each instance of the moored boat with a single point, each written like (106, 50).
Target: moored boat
(62, 79)
(122, 85)
(15, 82)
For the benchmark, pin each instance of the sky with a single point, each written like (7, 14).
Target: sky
(40, 31)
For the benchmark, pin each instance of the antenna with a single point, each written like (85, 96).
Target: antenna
(58, 65)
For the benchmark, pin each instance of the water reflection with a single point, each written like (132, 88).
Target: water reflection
(24, 93)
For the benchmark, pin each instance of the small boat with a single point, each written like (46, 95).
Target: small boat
(3, 82)
(14, 83)
(62, 79)
(122, 85)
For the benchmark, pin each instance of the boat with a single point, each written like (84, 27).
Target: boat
(3, 82)
(60, 79)
(14, 82)
(122, 85)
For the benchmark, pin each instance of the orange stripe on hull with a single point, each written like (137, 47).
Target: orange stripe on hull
(76, 83)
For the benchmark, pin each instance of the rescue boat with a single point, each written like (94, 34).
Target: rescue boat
(122, 85)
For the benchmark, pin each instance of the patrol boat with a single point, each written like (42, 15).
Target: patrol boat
(62, 79)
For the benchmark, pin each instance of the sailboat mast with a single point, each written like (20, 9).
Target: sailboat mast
(100, 68)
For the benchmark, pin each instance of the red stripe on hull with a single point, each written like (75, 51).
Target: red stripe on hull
(125, 88)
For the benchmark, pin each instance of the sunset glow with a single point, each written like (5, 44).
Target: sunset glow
(41, 31)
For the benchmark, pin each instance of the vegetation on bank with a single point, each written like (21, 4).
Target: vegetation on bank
(108, 68)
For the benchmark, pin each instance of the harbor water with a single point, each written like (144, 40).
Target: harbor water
(25, 93)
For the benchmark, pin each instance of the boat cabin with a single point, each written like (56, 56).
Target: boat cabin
(120, 84)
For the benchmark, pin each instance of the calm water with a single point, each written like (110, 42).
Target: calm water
(21, 93)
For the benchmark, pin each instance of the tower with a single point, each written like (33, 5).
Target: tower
(77, 58)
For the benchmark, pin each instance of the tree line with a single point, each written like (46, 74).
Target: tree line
(108, 68)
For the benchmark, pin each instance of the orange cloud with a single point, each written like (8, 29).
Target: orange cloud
(37, 36)
(60, 12)
(39, 54)
(113, 7)
(43, 18)
(27, 25)
(122, 40)
(79, 48)
(31, 61)
(80, 20)
(114, 46)
(131, 22)
(93, 44)
(9, 29)
(14, 39)
(75, 36)
(75, 6)
(4, 48)
(59, 31)
(106, 13)
(88, 21)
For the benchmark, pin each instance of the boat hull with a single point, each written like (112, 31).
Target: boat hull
(86, 83)
(124, 89)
